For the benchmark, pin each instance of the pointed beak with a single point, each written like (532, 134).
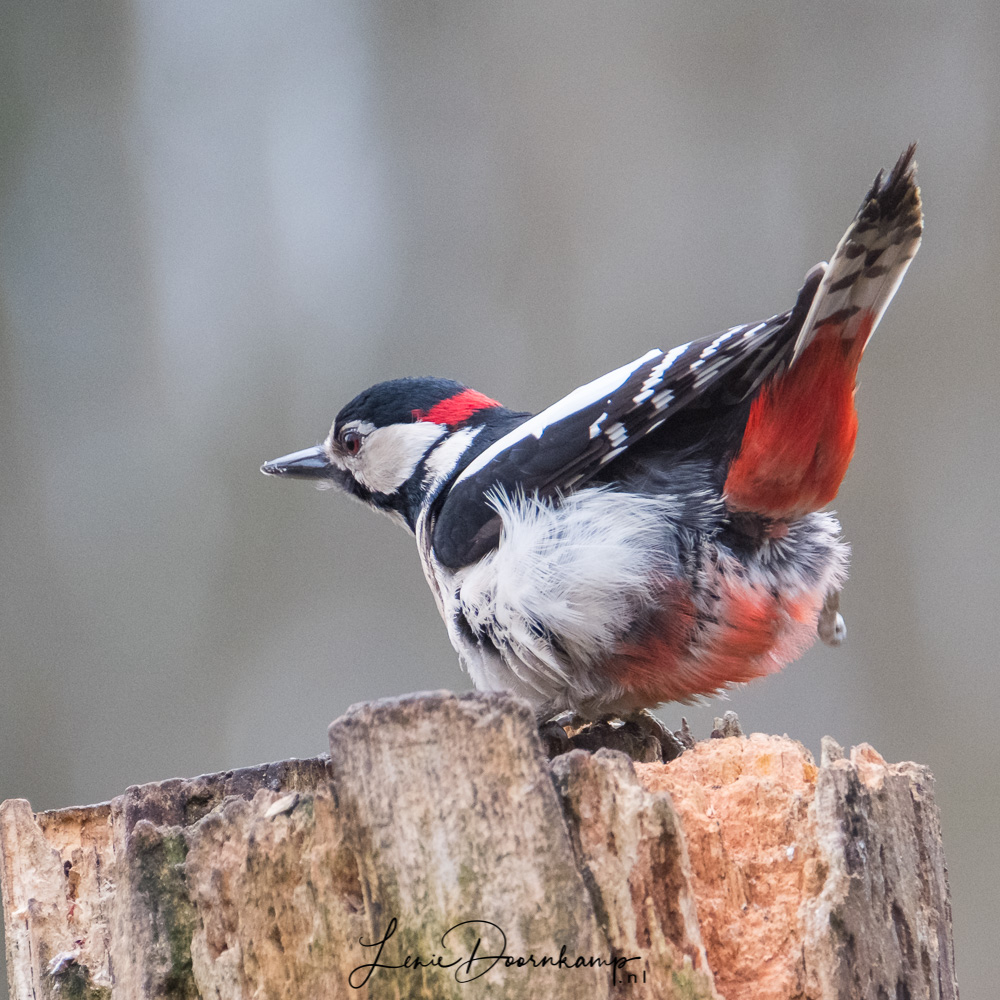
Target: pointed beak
(310, 463)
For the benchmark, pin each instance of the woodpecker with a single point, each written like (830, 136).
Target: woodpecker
(658, 534)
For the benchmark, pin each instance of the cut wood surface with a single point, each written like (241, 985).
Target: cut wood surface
(437, 853)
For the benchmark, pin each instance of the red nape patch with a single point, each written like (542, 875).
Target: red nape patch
(456, 409)
(799, 438)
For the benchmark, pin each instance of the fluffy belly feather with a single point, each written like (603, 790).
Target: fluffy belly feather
(631, 602)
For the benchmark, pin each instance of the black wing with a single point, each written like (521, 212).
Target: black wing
(569, 443)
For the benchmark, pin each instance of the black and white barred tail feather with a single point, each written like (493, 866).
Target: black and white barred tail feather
(870, 261)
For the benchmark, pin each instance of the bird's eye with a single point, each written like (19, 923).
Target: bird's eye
(351, 441)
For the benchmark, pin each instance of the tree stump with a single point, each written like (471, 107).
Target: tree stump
(437, 853)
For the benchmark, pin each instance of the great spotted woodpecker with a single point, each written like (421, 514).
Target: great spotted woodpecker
(656, 535)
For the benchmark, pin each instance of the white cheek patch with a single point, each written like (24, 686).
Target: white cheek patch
(389, 455)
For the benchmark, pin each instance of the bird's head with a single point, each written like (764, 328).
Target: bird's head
(395, 444)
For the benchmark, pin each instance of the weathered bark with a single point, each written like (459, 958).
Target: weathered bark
(437, 827)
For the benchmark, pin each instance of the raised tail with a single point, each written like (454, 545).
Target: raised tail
(799, 437)
(870, 261)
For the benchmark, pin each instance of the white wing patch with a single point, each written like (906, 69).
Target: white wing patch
(720, 340)
(708, 371)
(616, 434)
(536, 426)
(595, 427)
(656, 375)
(663, 399)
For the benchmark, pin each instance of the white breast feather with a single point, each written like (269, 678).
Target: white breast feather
(581, 570)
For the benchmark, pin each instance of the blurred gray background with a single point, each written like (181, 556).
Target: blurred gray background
(220, 221)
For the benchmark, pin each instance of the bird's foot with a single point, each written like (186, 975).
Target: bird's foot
(671, 746)
(831, 626)
(640, 735)
(555, 739)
